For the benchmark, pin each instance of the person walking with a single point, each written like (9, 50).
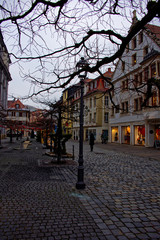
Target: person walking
(91, 141)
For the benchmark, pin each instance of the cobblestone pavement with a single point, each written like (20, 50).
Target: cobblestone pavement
(121, 199)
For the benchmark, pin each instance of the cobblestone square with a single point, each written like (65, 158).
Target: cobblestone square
(39, 201)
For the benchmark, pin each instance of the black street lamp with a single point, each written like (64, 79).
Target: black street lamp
(81, 65)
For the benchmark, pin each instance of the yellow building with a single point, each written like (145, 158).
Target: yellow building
(67, 109)
(96, 108)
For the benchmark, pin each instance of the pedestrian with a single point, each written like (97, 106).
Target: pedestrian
(91, 141)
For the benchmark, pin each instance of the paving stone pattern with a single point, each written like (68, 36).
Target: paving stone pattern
(121, 199)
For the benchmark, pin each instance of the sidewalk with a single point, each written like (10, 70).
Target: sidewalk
(121, 200)
(140, 151)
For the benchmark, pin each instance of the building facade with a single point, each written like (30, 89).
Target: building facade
(132, 121)
(96, 108)
(4, 80)
(18, 117)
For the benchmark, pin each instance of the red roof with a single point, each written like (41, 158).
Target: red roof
(12, 104)
(154, 29)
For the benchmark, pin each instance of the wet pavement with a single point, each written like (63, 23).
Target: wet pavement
(38, 199)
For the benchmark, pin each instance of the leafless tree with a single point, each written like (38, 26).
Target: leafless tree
(50, 36)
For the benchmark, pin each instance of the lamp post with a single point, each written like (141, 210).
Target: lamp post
(81, 65)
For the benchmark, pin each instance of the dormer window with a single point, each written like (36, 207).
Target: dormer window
(17, 106)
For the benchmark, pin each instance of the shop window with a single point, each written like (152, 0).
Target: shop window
(106, 117)
(140, 36)
(157, 129)
(126, 134)
(114, 134)
(140, 135)
(134, 59)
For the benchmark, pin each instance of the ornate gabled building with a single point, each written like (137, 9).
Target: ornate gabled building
(96, 108)
(18, 116)
(135, 117)
(5, 77)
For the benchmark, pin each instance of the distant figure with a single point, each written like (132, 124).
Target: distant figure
(91, 141)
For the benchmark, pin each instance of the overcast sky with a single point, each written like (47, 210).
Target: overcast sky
(19, 88)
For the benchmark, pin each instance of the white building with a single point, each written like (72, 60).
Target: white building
(4, 79)
(130, 121)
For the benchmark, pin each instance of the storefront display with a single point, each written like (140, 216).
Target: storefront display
(140, 135)
(157, 137)
(126, 134)
(114, 134)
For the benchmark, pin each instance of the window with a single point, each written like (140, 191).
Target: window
(153, 70)
(154, 99)
(17, 114)
(140, 37)
(140, 78)
(9, 113)
(134, 43)
(106, 117)
(125, 85)
(136, 80)
(112, 113)
(123, 66)
(124, 107)
(95, 84)
(146, 74)
(158, 64)
(17, 106)
(134, 59)
(94, 101)
(13, 113)
(90, 117)
(106, 101)
(90, 102)
(20, 114)
(138, 104)
(117, 108)
(127, 48)
(105, 84)
(145, 51)
(95, 117)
